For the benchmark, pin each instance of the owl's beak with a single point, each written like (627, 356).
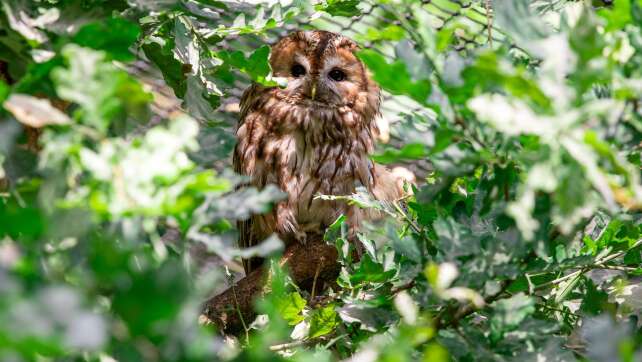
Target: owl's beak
(313, 91)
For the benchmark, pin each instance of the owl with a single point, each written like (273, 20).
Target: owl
(309, 138)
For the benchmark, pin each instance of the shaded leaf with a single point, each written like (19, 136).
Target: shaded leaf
(115, 36)
(509, 313)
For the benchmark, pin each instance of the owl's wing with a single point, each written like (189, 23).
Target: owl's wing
(244, 227)
(246, 237)
(247, 100)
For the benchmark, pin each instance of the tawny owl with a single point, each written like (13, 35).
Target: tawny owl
(311, 137)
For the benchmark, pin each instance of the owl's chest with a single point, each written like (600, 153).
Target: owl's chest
(304, 170)
(300, 166)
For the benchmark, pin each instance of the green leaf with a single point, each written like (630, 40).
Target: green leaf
(370, 271)
(104, 92)
(411, 151)
(390, 32)
(256, 66)
(322, 321)
(489, 73)
(159, 48)
(521, 22)
(114, 36)
(347, 8)
(619, 14)
(290, 306)
(394, 77)
(595, 300)
(187, 46)
(588, 45)
(4, 91)
(196, 99)
(509, 313)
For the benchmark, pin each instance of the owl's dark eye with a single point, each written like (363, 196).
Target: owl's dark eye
(337, 75)
(297, 70)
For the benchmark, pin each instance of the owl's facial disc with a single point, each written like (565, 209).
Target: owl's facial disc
(321, 69)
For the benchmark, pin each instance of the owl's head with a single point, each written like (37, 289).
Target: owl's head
(322, 70)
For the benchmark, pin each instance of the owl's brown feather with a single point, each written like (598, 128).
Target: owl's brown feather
(312, 137)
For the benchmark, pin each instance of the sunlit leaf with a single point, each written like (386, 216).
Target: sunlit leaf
(290, 307)
(339, 7)
(322, 321)
(34, 112)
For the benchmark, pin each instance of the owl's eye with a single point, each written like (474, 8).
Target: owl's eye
(297, 70)
(337, 75)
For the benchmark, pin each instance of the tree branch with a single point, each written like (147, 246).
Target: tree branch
(303, 262)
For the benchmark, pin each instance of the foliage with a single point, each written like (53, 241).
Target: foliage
(522, 242)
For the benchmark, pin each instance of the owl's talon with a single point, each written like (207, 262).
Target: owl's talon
(301, 237)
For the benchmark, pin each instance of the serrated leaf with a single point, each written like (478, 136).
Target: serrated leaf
(370, 271)
(394, 77)
(256, 66)
(619, 14)
(103, 91)
(322, 321)
(347, 8)
(290, 307)
(595, 299)
(187, 48)
(114, 36)
(509, 313)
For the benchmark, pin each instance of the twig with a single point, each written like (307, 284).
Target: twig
(466, 309)
(568, 312)
(599, 264)
(314, 281)
(223, 309)
(238, 310)
(284, 346)
(410, 221)
(561, 279)
(403, 287)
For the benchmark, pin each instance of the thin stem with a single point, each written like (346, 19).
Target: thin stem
(284, 346)
(238, 310)
(405, 216)
(561, 279)
(599, 264)
(314, 281)
(560, 310)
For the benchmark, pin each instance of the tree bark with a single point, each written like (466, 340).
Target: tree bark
(305, 263)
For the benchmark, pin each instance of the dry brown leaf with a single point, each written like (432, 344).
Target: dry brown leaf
(34, 112)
